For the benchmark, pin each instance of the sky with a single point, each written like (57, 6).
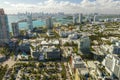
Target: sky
(66, 6)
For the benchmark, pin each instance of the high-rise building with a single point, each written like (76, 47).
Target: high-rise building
(74, 19)
(116, 48)
(29, 21)
(80, 18)
(112, 64)
(77, 67)
(15, 29)
(96, 18)
(49, 23)
(4, 28)
(84, 44)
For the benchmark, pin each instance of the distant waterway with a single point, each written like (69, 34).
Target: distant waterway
(36, 23)
(23, 25)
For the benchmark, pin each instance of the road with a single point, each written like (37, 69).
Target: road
(67, 72)
(10, 62)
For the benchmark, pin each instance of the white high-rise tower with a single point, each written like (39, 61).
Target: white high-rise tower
(29, 21)
(74, 19)
(49, 23)
(15, 29)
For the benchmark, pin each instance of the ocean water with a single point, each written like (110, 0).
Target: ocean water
(37, 23)
(23, 25)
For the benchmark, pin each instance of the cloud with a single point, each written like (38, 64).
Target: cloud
(54, 6)
(6, 2)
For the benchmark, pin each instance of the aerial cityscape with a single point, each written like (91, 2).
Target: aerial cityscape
(59, 39)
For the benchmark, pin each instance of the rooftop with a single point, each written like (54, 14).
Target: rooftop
(55, 42)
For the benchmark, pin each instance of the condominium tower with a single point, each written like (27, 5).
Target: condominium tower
(29, 21)
(4, 28)
(15, 29)
(49, 23)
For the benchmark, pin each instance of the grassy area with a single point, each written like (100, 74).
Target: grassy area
(3, 70)
(49, 70)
